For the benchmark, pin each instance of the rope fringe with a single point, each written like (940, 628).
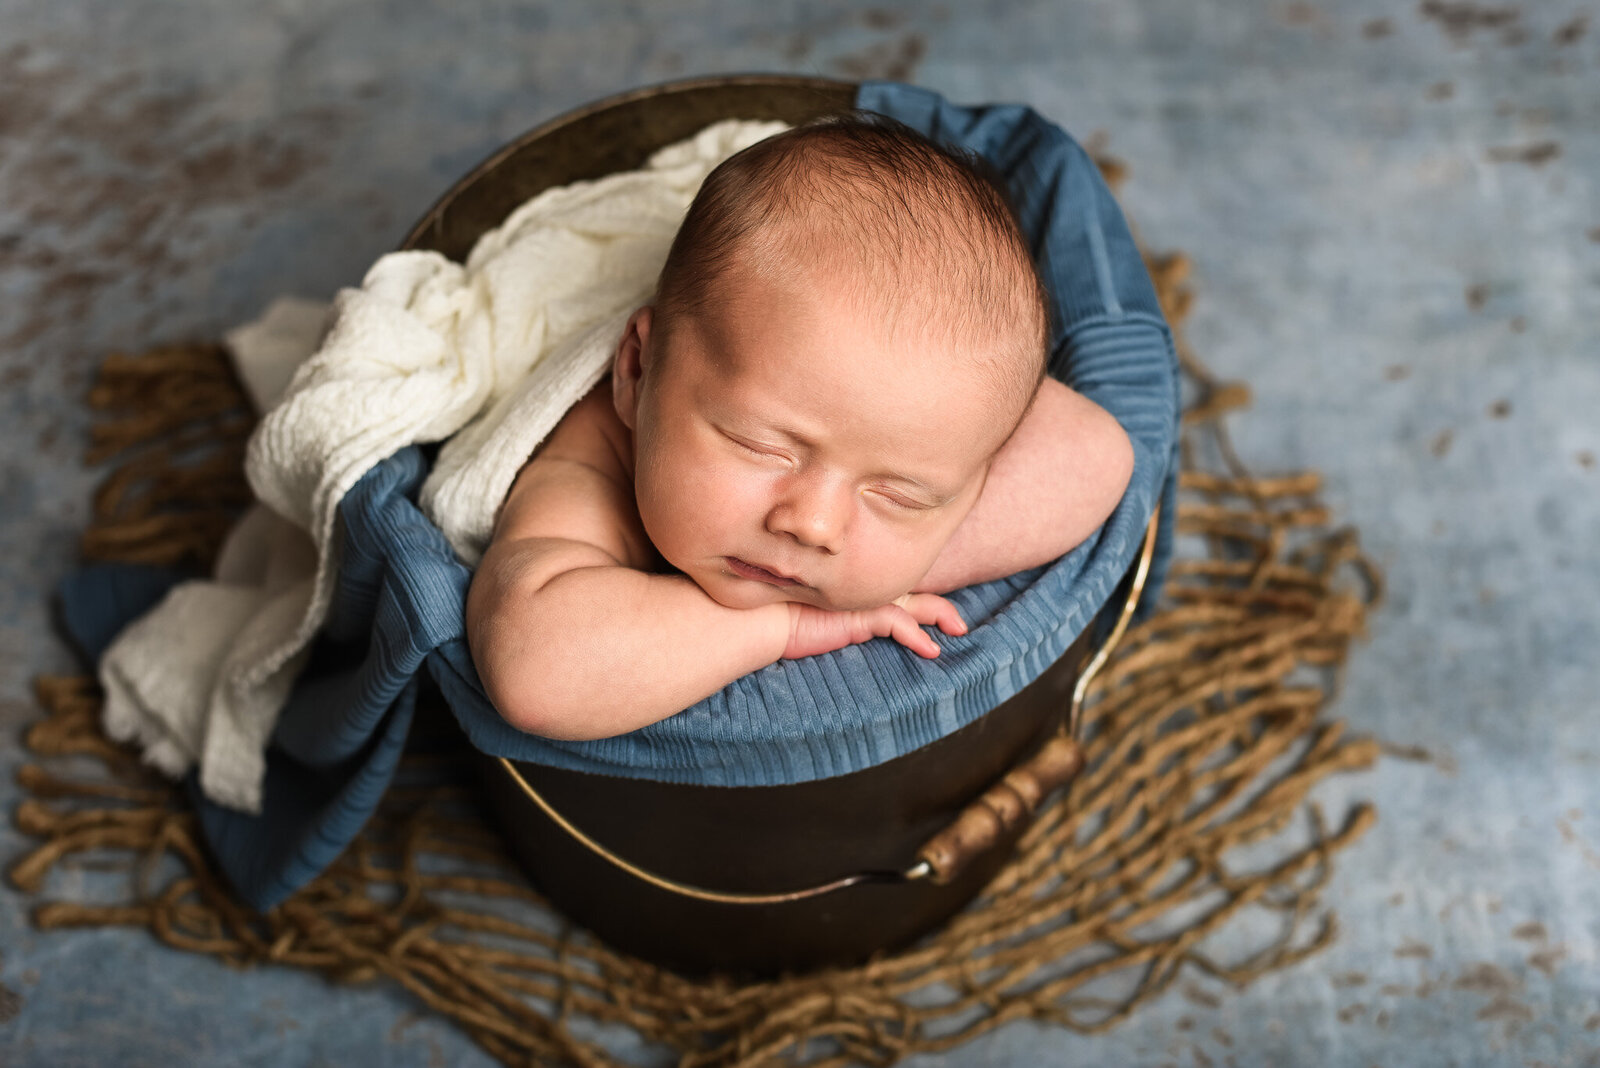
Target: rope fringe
(183, 415)
(1202, 736)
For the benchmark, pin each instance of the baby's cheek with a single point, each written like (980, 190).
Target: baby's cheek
(888, 566)
(690, 508)
(722, 502)
(662, 514)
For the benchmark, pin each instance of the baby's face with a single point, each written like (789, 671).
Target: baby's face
(791, 446)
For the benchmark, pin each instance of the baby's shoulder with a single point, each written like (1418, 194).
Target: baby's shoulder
(591, 433)
(578, 486)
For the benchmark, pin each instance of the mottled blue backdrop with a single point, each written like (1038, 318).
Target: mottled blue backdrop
(1395, 226)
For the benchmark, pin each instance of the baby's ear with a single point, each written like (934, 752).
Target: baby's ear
(627, 366)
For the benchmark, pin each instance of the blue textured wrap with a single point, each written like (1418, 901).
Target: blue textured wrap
(401, 594)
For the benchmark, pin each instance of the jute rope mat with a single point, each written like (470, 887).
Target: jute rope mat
(1204, 738)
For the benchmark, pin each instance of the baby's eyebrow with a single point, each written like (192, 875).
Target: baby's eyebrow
(784, 431)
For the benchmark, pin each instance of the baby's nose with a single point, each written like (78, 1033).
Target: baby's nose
(815, 512)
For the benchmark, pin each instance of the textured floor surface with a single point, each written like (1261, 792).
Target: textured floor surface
(1395, 226)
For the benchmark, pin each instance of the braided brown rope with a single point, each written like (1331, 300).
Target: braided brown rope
(1203, 737)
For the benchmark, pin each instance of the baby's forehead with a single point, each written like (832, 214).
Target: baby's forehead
(860, 275)
(933, 335)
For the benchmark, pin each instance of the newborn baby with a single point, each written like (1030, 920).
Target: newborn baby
(833, 410)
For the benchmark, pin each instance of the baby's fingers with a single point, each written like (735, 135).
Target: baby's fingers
(931, 608)
(906, 629)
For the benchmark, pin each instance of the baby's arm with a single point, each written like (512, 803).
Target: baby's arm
(1055, 481)
(573, 638)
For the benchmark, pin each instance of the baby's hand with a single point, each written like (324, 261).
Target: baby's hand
(817, 630)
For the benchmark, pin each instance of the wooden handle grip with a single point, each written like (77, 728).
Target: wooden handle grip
(1006, 805)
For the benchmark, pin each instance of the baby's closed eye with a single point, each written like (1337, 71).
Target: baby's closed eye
(755, 447)
(900, 500)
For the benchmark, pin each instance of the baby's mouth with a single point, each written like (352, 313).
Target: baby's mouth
(754, 572)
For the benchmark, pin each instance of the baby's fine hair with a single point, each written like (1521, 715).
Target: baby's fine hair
(927, 224)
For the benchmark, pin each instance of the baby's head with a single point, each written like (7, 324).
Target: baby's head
(848, 328)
